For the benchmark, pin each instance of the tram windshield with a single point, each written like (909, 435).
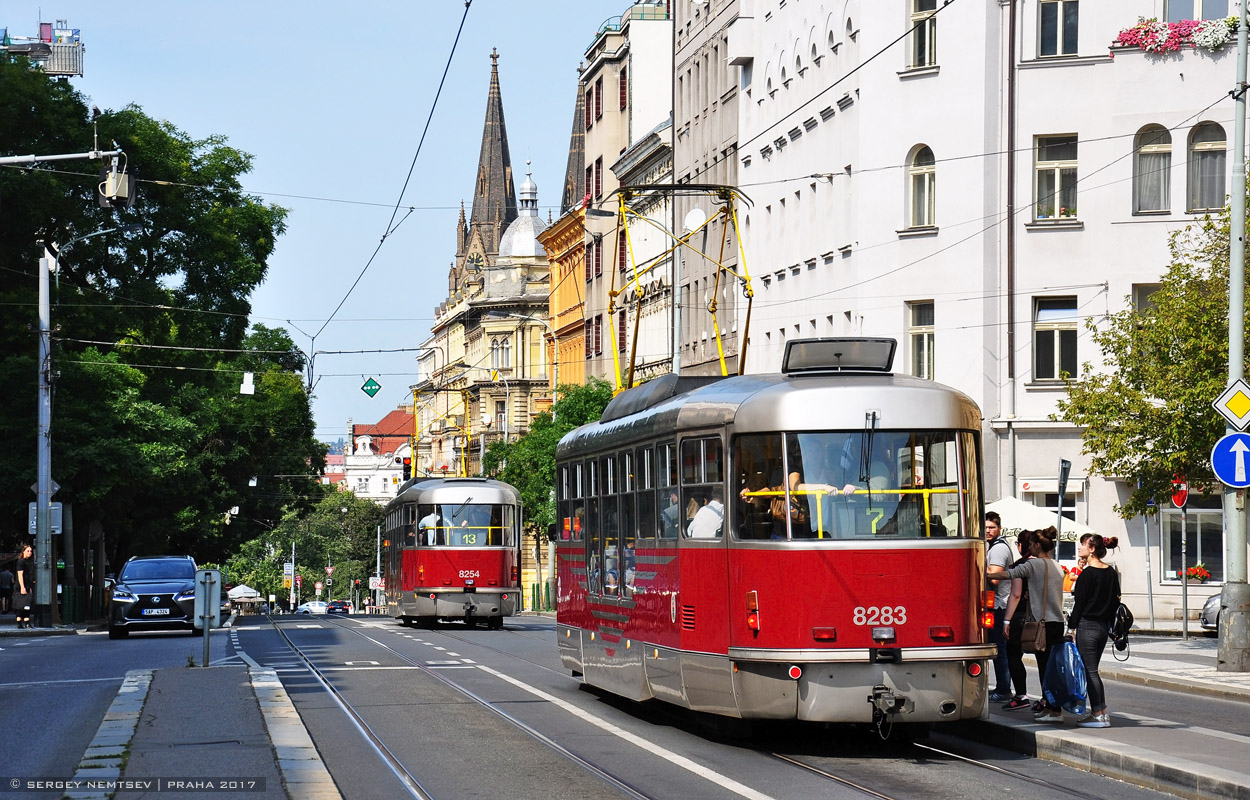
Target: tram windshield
(857, 484)
(465, 524)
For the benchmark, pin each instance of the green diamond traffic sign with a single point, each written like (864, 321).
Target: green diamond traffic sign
(1234, 404)
(371, 387)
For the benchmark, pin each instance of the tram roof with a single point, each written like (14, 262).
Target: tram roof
(456, 490)
(775, 402)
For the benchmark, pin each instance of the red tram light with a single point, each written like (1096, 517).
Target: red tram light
(987, 619)
(420, 573)
(988, 600)
(825, 634)
(753, 601)
(795, 672)
(514, 575)
(753, 621)
(942, 633)
(974, 669)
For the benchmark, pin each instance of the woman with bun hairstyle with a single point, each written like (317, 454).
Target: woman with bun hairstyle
(1095, 598)
(1045, 581)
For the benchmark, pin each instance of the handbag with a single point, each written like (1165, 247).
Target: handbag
(1033, 636)
(779, 510)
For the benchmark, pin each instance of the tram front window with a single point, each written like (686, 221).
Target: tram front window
(852, 484)
(465, 525)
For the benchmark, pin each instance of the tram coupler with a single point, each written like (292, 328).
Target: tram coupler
(469, 608)
(885, 701)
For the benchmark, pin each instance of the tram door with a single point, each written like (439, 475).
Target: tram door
(703, 581)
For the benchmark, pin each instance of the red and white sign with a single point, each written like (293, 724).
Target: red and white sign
(377, 583)
(1180, 491)
(299, 580)
(317, 586)
(329, 570)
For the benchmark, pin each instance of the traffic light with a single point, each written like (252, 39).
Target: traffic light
(357, 583)
(407, 467)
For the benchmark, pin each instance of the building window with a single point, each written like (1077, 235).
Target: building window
(920, 338)
(924, 33)
(1178, 10)
(501, 413)
(598, 177)
(1207, 153)
(590, 260)
(589, 334)
(505, 353)
(598, 251)
(621, 332)
(494, 354)
(590, 107)
(598, 334)
(622, 251)
(599, 97)
(922, 178)
(1151, 170)
(1054, 338)
(1058, 27)
(624, 84)
(1054, 187)
(1204, 534)
(1143, 296)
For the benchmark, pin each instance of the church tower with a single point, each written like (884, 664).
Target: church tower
(494, 197)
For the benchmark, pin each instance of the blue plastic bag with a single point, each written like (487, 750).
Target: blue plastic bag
(1065, 679)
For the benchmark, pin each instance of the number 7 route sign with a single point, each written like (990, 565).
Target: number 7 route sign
(1230, 460)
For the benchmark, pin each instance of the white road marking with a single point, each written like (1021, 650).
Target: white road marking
(697, 769)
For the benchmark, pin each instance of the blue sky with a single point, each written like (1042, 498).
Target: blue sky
(331, 99)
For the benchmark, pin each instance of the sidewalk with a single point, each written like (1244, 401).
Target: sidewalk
(1178, 757)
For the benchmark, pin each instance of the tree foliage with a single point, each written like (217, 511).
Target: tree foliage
(1146, 414)
(529, 463)
(150, 434)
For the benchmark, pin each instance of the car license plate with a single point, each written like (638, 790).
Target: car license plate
(155, 612)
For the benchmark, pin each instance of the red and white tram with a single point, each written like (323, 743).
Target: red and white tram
(453, 550)
(805, 545)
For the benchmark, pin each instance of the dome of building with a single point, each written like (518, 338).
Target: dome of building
(520, 240)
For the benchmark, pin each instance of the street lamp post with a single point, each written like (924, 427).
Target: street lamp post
(44, 489)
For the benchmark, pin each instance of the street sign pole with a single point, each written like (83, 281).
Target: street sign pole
(1234, 633)
(1180, 496)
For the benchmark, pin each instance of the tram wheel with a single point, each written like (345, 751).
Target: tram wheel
(495, 623)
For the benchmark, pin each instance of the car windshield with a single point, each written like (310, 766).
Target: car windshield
(158, 570)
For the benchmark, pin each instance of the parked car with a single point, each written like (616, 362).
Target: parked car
(1210, 616)
(339, 607)
(312, 607)
(154, 593)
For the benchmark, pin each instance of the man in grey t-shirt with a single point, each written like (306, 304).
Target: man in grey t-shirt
(998, 557)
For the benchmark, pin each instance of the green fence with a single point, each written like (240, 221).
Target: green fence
(540, 597)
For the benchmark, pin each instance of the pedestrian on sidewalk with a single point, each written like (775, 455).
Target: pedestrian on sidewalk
(6, 590)
(998, 557)
(25, 596)
(1017, 613)
(1045, 580)
(1095, 598)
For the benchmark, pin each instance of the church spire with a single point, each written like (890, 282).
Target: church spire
(494, 199)
(575, 169)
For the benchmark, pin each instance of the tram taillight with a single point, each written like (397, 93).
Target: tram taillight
(421, 573)
(514, 575)
(753, 611)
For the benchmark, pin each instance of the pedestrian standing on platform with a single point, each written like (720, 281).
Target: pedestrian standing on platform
(998, 557)
(1095, 598)
(1016, 614)
(25, 597)
(6, 590)
(1045, 580)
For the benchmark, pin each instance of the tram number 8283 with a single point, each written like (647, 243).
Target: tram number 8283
(885, 615)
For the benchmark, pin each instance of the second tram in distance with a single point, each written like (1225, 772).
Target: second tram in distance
(453, 551)
(805, 545)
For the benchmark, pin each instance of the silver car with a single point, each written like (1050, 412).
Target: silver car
(1210, 616)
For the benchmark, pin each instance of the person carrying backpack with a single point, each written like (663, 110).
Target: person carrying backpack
(1095, 598)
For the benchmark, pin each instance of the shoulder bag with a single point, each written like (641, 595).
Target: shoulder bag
(1033, 636)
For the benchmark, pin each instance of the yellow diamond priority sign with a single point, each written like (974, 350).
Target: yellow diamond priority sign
(1234, 404)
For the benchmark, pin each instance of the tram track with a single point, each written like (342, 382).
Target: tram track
(395, 765)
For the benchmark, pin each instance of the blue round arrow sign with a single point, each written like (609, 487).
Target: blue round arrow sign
(1230, 460)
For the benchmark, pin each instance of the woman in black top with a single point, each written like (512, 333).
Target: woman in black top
(1095, 597)
(25, 596)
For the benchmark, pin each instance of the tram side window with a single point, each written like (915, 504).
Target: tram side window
(564, 503)
(703, 491)
(667, 496)
(759, 468)
(628, 530)
(610, 526)
(644, 486)
(579, 502)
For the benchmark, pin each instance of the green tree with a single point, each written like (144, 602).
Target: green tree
(1147, 413)
(150, 434)
(529, 463)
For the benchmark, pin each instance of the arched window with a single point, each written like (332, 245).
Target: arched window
(1152, 168)
(494, 354)
(1208, 149)
(922, 180)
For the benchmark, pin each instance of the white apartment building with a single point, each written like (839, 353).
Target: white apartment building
(977, 180)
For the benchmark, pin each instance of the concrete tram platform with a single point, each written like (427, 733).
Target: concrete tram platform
(1181, 758)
